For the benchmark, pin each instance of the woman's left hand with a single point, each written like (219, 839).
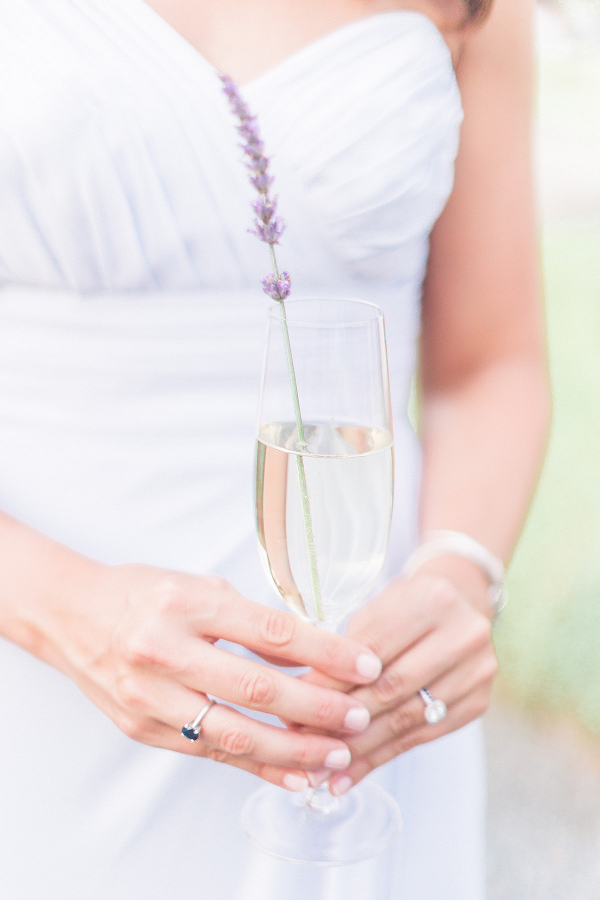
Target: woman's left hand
(428, 634)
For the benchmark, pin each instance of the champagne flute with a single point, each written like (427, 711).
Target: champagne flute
(324, 488)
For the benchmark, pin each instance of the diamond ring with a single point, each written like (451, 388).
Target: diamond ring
(435, 710)
(192, 730)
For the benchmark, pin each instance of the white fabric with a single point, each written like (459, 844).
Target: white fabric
(131, 334)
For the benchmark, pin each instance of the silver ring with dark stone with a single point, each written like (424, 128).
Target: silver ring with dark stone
(192, 730)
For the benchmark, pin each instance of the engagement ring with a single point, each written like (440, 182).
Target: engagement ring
(192, 730)
(435, 710)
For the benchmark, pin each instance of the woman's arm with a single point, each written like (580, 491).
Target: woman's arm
(140, 642)
(485, 401)
(485, 406)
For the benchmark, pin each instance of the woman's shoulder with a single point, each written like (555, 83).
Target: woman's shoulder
(467, 24)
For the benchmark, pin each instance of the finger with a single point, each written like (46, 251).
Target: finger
(438, 653)
(149, 704)
(418, 607)
(467, 678)
(294, 780)
(227, 729)
(461, 714)
(279, 634)
(390, 713)
(412, 604)
(249, 684)
(389, 725)
(279, 661)
(323, 680)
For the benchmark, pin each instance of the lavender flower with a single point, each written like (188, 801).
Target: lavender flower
(262, 182)
(268, 232)
(265, 209)
(267, 226)
(276, 288)
(259, 164)
(249, 127)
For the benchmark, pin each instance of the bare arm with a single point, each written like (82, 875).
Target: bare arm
(484, 381)
(485, 406)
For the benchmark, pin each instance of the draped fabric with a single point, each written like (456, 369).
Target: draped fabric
(131, 338)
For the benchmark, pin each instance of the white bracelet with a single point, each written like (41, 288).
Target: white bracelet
(443, 543)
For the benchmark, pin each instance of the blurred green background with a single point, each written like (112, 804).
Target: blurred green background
(548, 640)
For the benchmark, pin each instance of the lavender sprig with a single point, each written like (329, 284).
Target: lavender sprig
(269, 228)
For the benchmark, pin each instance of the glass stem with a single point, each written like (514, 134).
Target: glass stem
(308, 529)
(320, 799)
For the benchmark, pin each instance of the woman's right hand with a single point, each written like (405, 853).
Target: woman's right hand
(141, 645)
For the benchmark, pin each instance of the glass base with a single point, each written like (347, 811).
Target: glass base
(318, 829)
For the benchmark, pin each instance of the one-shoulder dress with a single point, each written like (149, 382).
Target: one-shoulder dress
(132, 327)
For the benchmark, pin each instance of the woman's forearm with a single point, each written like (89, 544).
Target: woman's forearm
(483, 443)
(41, 581)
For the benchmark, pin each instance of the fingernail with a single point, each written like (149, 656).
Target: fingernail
(338, 759)
(295, 782)
(357, 718)
(316, 779)
(368, 665)
(341, 786)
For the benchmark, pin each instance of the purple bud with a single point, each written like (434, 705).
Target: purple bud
(265, 209)
(252, 144)
(262, 182)
(231, 91)
(249, 128)
(258, 165)
(239, 108)
(229, 86)
(254, 151)
(277, 288)
(269, 232)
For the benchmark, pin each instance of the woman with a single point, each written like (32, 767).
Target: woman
(132, 333)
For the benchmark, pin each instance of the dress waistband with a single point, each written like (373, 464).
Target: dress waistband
(138, 343)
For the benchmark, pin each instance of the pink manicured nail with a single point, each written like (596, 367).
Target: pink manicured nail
(295, 782)
(357, 719)
(341, 786)
(338, 759)
(317, 778)
(368, 665)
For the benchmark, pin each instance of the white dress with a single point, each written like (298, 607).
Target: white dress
(131, 336)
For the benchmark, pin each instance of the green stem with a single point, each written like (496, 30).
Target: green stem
(308, 529)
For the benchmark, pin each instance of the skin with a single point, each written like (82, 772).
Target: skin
(248, 37)
(140, 642)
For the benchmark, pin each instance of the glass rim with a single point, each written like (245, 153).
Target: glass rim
(275, 312)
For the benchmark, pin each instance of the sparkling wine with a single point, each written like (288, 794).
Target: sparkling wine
(348, 471)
